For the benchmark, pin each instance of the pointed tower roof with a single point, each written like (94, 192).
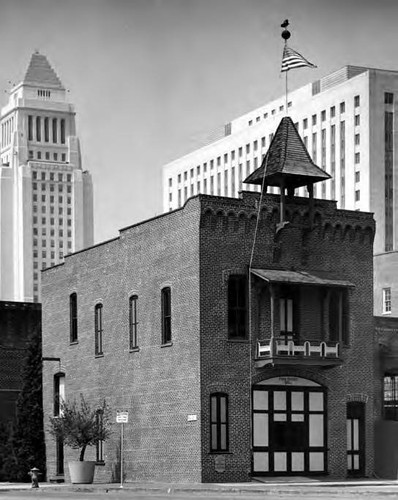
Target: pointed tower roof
(40, 72)
(287, 161)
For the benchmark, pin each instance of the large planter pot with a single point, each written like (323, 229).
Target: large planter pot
(81, 472)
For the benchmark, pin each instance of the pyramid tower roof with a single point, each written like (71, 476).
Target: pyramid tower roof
(287, 161)
(40, 72)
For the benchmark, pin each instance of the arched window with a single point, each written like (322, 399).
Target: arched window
(98, 329)
(133, 321)
(237, 306)
(166, 315)
(62, 131)
(73, 317)
(219, 422)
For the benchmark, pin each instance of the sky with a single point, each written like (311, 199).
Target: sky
(150, 79)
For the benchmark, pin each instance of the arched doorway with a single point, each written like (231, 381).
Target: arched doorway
(289, 427)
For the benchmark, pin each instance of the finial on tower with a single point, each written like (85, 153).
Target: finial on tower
(285, 33)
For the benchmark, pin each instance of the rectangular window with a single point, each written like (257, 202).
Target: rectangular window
(323, 115)
(54, 130)
(388, 98)
(357, 195)
(166, 315)
(389, 181)
(357, 101)
(59, 393)
(219, 423)
(73, 316)
(237, 307)
(357, 139)
(263, 142)
(305, 123)
(30, 127)
(357, 176)
(342, 107)
(99, 419)
(62, 131)
(386, 300)
(357, 120)
(38, 129)
(314, 151)
(98, 329)
(255, 145)
(332, 111)
(390, 398)
(313, 119)
(46, 130)
(133, 321)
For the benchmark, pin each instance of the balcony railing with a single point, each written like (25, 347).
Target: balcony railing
(279, 351)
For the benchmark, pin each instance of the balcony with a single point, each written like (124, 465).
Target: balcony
(308, 353)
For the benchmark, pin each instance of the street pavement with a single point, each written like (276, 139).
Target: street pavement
(269, 489)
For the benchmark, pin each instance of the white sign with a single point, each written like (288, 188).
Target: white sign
(192, 418)
(122, 417)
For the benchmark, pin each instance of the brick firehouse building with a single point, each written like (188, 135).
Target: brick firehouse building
(238, 334)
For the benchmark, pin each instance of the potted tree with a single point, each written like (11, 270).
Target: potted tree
(80, 425)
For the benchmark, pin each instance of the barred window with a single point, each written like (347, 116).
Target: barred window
(219, 422)
(73, 316)
(166, 315)
(98, 329)
(237, 307)
(133, 321)
(390, 397)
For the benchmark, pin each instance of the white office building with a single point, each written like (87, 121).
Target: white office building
(46, 198)
(348, 123)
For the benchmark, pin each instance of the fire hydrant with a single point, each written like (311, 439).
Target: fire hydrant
(34, 475)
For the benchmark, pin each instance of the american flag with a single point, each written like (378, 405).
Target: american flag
(292, 59)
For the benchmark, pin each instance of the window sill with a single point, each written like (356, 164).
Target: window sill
(99, 355)
(74, 343)
(220, 453)
(167, 344)
(134, 349)
(101, 463)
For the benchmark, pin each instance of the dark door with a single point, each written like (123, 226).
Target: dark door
(356, 439)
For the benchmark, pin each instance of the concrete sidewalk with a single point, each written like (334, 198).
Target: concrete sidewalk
(256, 486)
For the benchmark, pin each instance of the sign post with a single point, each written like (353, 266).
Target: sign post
(122, 417)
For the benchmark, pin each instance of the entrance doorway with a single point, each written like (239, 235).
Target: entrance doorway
(356, 439)
(289, 427)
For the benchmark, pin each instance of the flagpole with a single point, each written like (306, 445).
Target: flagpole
(286, 35)
(286, 86)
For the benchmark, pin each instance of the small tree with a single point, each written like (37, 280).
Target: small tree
(80, 425)
(26, 445)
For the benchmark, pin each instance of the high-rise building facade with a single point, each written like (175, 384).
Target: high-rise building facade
(347, 122)
(46, 199)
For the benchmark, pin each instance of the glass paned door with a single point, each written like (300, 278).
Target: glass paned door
(289, 430)
(355, 439)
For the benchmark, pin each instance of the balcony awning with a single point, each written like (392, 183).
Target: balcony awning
(299, 278)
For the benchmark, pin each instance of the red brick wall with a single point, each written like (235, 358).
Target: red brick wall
(340, 243)
(194, 250)
(159, 386)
